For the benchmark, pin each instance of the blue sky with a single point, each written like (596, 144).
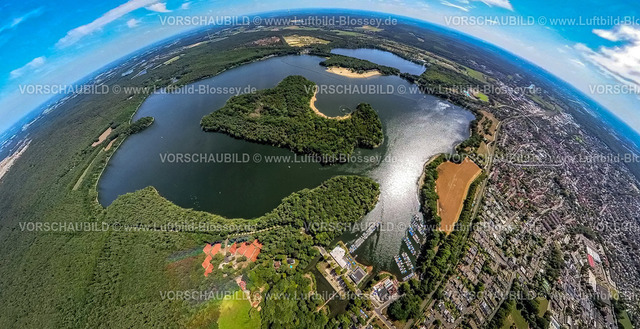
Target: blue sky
(60, 42)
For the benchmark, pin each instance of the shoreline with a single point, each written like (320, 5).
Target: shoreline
(9, 161)
(312, 104)
(345, 72)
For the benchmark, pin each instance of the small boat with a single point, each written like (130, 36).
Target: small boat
(407, 261)
(411, 275)
(410, 246)
(400, 265)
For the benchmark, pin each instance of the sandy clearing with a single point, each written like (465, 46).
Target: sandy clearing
(109, 145)
(196, 44)
(102, 137)
(345, 72)
(312, 104)
(303, 40)
(452, 187)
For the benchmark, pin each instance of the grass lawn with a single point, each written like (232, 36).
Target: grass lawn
(476, 74)
(515, 317)
(482, 97)
(235, 313)
(624, 321)
(543, 305)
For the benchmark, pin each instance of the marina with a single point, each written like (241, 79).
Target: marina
(407, 261)
(411, 275)
(415, 237)
(410, 246)
(417, 223)
(399, 263)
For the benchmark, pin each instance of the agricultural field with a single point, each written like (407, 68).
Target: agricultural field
(452, 185)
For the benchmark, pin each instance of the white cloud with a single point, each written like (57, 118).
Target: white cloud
(621, 62)
(21, 19)
(619, 33)
(185, 5)
(577, 62)
(447, 3)
(464, 4)
(34, 64)
(498, 3)
(606, 34)
(133, 22)
(160, 7)
(78, 33)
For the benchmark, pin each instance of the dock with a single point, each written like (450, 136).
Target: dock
(364, 237)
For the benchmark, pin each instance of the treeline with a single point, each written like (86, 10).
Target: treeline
(474, 141)
(140, 242)
(358, 65)
(282, 116)
(322, 210)
(428, 195)
(439, 75)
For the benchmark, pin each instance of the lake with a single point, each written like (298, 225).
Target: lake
(416, 127)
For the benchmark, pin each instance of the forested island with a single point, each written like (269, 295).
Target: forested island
(358, 65)
(140, 125)
(282, 116)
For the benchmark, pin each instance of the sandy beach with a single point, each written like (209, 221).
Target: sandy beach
(350, 74)
(312, 104)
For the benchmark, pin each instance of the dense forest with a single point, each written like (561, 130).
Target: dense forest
(339, 200)
(141, 240)
(282, 116)
(115, 278)
(358, 65)
(106, 278)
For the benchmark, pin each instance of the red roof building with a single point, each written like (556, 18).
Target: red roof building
(208, 268)
(206, 248)
(242, 249)
(215, 249)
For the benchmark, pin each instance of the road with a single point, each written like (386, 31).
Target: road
(378, 311)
